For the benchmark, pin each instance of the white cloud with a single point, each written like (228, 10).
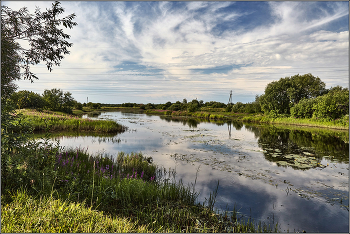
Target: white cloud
(179, 39)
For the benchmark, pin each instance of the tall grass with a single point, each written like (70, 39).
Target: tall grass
(48, 215)
(41, 121)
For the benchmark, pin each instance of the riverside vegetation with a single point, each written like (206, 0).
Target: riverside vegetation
(46, 188)
(58, 121)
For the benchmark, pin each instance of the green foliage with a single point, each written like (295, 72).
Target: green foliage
(229, 108)
(41, 121)
(304, 109)
(275, 97)
(305, 87)
(56, 100)
(333, 105)
(47, 42)
(238, 107)
(175, 107)
(78, 105)
(27, 99)
(281, 95)
(94, 105)
(214, 104)
(48, 215)
(150, 106)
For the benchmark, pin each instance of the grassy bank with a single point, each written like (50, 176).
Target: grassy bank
(58, 121)
(51, 189)
(219, 114)
(342, 123)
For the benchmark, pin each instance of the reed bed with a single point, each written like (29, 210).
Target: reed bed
(41, 121)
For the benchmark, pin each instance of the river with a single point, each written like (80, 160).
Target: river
(295, 176)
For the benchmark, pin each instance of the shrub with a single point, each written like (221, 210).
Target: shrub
(334, 104)
(304, 109)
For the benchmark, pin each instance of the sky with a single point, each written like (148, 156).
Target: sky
(155, 52)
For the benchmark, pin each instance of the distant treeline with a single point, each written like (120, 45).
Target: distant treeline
(54, 99)
(299, 96)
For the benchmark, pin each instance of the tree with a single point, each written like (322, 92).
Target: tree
(47, 42)
(27, 99)
(305, 87)
(57, 100)
(281, 95)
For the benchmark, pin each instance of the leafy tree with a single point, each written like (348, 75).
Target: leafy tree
(238, 107)
(57, 100)
(276, 97)
(175, 107)
(150, 106)
(305, 87)
(281, 95)
(78, 105)
(47, 42)
(27, 99)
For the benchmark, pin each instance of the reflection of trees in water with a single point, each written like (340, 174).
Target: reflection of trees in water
(288, 141)
(191, 122)
(238, 125)
(194, 122)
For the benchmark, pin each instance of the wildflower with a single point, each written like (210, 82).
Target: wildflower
(142, 174)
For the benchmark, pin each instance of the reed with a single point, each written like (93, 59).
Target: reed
(41, 121)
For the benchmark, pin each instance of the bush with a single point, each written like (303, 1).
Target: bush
(238, 107)
(334, 104)
(304, 109)
(175, 107)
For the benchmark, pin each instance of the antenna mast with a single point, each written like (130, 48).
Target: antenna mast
(230, 99)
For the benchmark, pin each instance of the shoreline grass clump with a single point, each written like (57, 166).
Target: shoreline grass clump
(48, 215)
(41, 121)
(128, 186)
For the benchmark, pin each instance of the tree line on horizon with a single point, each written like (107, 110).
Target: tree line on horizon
(299, 96)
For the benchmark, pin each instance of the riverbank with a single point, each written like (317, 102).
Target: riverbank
(342, 123)
(59, 121)
(55, 190)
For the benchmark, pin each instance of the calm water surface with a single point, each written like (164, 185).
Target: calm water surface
(295, 177)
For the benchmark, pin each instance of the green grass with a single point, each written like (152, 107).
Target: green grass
(342, 123)
(127, 191)
(56, 121)
(48, 215)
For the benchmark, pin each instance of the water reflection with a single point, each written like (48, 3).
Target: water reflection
(273, 171)
(280, 142)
